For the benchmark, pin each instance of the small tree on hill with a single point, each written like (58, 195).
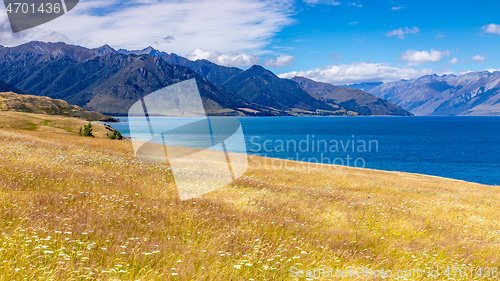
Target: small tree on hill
(116, 135)
(86, 130)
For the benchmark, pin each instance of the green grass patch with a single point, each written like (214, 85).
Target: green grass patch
(30, 126)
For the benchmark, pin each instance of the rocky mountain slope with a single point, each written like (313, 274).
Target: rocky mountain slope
(208, 70)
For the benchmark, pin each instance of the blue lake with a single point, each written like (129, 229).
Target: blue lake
(465, 148)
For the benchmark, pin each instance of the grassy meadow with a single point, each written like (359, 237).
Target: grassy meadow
(77, 208)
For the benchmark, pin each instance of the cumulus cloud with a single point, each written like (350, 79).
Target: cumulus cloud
(453, 61)
(400, 33)
(413, 57)
(359, 72)
(239, 26)
(324, 2)
(8, 38)
(478, 58)
(283, 60)
(492, 28)
(238, 60)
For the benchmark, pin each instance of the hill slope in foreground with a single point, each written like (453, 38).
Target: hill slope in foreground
(84, 208)
(10, 101)
(43, 123)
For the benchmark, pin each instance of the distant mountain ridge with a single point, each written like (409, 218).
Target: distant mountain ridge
(208, 70)
(363, 86)
(110, 81)
(473, 93)
(350, 99)
(261, 86)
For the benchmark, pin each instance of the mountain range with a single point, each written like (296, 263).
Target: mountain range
(109, 81)
(100, 79)
(353, 100)
(473, 93)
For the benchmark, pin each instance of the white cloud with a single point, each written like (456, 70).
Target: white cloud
(402, 32)
(413, 57)
(455, 61)
(240, 26)
(353, 23)
(324, 2)
(238, 60)
(492, 28)
(8, 38)
(283, 60)
(478, 58)
(359, 72)
(357, 5)
(397, 8)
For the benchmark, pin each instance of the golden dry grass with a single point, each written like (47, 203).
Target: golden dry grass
(47, 123)
(75, 208)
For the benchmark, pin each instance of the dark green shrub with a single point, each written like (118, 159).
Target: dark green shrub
(116, 135)
(86, 130)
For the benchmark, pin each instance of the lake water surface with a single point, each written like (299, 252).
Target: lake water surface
(465, 148)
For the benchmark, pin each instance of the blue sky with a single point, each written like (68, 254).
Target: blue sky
(346, 34)
(331, 41)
